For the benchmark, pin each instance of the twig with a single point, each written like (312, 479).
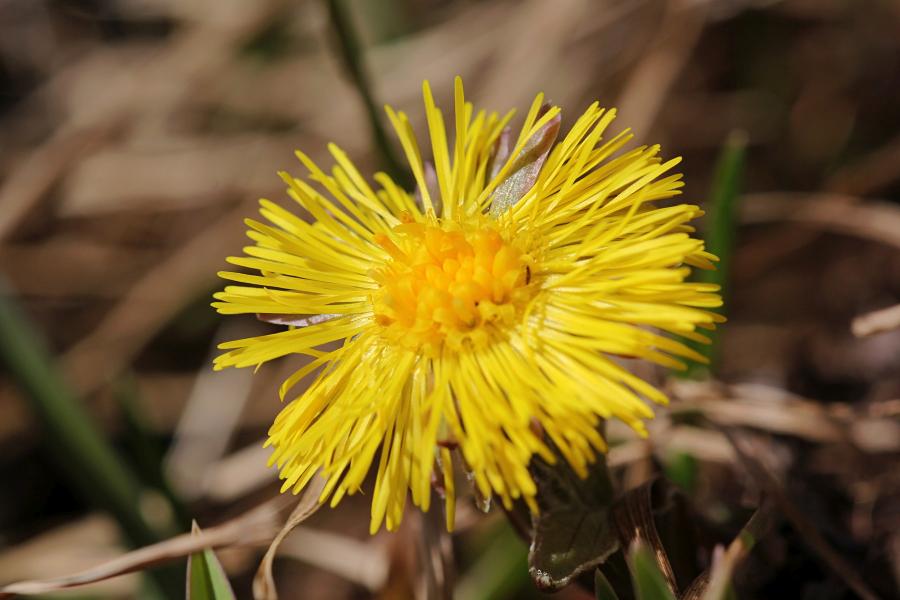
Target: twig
(874, 171)
(873, 220)
(877, 321)
(252, 528)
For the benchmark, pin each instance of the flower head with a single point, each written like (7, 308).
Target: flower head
(484, 313)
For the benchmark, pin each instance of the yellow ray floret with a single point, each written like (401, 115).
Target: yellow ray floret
(433, 323)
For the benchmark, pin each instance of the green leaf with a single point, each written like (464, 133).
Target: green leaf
(602, 588)
(206, 579)
(721, 230)
(572, 533)
(649, 582)
(723, 198)
(681, 469)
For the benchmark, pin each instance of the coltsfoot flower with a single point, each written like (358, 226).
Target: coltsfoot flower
(483, 313)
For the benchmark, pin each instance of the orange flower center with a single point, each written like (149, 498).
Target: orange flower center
(445, 285)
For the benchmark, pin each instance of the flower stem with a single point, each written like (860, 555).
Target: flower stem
(351, 53)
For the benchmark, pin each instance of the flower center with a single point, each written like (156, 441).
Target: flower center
(444, 284)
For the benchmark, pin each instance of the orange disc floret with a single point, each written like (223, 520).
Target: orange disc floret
(446, 285)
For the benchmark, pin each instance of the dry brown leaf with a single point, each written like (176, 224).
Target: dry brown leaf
(652, 79)
(264, 582)
(69, 548)
(877, 321)
(254, 527)
(719, 577)
(632, 517)
(164, 176)
(876, 221)
(436, 553)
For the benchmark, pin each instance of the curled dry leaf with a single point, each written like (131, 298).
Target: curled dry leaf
(263, 581)
(526, 166)
(697, 587)
(632, 516)
(252, 528)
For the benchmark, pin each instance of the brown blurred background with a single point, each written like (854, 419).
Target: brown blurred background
(137, 134)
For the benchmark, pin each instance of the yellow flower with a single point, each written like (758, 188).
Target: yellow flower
(484, 315)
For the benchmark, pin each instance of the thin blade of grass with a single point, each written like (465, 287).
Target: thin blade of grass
(603, 590)
(649, 582)
(721, 232)
(206, 578)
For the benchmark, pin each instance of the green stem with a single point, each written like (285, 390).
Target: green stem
(351, 53)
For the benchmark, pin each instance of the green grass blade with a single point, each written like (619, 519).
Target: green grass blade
(681, 469)
(723, 199)
(206, 578)
(721, 231)
(649, 582)
(603, 590)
